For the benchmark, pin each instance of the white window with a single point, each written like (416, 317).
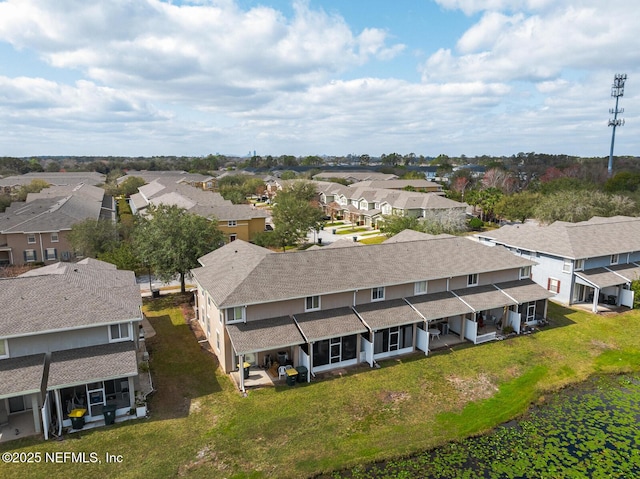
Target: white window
(30, 255)
(31, 239)
(235, 314)
(420, 287)
(553, 285)
(472, 279)
(4, 348)
(232, 223)
(119, 332)
(614, 259)
(312, 303)
(525, 272)
(218, 340)
(54, 237)
(566, 266)
(377, 294)
(232, 237)
(579, 264)
(51, 254)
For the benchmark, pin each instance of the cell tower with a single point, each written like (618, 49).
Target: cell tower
(617, 90)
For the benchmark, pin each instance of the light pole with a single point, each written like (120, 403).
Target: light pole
(617, 90)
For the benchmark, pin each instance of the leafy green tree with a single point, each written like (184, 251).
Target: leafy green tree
(288, 175)
(123, 256)
(517, 207)
(36, 186)
(93, 237)
(394, 224)
(294, 214)
(5, 201)
(169, 241)
(130, 186)
(574, 206)
(623, 181)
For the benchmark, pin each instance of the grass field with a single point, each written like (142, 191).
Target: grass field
(374, 240)
(200, 426)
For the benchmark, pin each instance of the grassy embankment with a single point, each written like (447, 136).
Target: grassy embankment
(200, 426)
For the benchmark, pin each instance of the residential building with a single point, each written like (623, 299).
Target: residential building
(10, 184)
(354, 176)
(68, 340)
(424, 186)
(36, 231)
(235, 221)
(335, 307)
(367, 206)
(591, 262)
(203, 182)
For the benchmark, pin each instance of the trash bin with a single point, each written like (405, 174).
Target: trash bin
(334, 231)
(355, 239)
(246, 367)
(109, 412)
(291, 377)
(319, 240)
(302, 374)
(77, 418)
(155, 293)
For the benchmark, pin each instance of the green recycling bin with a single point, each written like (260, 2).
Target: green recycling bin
(292, 374)
(109, 412)
(302, 374)
(77, 418)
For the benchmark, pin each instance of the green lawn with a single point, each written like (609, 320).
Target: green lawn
(374, 240)
(201, 426)
(346, 231)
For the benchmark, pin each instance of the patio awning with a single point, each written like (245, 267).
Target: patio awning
(74, 367)
(439, 305)
(482, 298)
(601, 278)
(525, 291)
(20, 376)
(387, 314)
(264, 335)
(628, 271)
(330, 323)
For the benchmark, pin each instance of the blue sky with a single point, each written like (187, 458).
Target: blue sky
(306, 77)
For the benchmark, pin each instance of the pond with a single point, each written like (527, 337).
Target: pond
(588, 431)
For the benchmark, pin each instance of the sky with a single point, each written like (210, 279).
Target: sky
(317, 77)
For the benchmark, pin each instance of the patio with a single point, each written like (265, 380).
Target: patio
(258, 378)
(444, 341)
(20, 425)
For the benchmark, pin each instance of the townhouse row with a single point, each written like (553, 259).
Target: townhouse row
(334, 307)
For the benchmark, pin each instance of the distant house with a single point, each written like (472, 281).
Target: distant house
(68, 340)
(329, 308)
(592, 262)
(355, 176)
(423, 186)
(36, 231)
(367, 205)
(204, 182)
(235, 221)
(11, 183)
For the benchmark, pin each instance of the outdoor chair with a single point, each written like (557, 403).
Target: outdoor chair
(282, 371)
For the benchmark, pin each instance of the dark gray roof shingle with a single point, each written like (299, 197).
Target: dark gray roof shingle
(94, 363)
(330, 323)
(21, 375)
(264, 335)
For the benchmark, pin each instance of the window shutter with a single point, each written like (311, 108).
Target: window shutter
(55, 253)
(24, 253)
(558, 289)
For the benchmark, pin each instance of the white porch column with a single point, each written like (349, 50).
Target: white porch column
(56, 393)
(596, 296)
(373, 338)
(36, 414)
(546, 306)
(132, 392)
(241, 372)
(310, 360)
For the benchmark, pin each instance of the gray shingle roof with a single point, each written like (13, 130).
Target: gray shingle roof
(482, 298)
(67, 296)
(330, 323)
(239, 274)
(601, 277)
(587, 239)
(22, 375)
(71, 178)
(439, 305)
(264, 335)
(94, 363)
(525, 290)
(395, 312)
(49, 214)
